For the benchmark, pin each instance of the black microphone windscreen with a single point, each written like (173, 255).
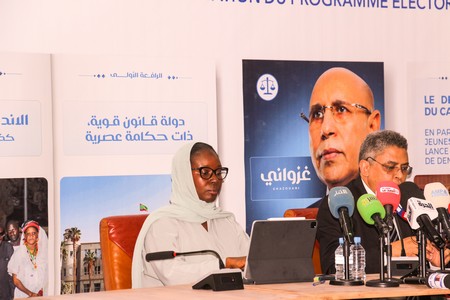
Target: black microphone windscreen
(408, 190)
(159, 255)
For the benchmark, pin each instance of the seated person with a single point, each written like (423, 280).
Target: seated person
(383, 157)
(191, 222)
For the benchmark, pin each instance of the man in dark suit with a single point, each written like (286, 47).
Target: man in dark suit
(6, 284)
(383, 157)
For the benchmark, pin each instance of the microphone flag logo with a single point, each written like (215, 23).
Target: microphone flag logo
(390, 190)
(340, 191)
(439, 193)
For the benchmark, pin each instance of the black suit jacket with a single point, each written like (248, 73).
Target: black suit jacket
(329, 231)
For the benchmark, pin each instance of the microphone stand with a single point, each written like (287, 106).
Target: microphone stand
(422, 255)
(382, 282)
(223, 280)
(346, 281)
(442, 253)
(442, 250)
(422, 268)
(388, 248)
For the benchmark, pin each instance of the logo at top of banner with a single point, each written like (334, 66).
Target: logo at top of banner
(267, 87)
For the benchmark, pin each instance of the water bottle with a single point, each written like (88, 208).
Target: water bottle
(358, 265)
(339, 260)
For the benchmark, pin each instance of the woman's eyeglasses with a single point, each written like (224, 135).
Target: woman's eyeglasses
(207, 172)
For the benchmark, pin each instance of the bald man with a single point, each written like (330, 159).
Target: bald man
(341, 115)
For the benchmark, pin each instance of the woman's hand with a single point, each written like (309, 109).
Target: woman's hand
(235, 262)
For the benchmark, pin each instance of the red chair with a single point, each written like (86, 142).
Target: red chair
(118, 235)
(308, 213)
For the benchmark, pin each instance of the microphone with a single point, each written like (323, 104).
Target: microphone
(437, 194)
(419, 214)
(172, 254)
(438, 280)
(389, 195)
(408, 190)
(372, 212)
(342, 206)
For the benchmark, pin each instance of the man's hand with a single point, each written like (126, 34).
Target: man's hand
(434, 257)
(235, 262)
(411, 247)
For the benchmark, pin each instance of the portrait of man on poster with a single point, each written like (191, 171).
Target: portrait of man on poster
(341, 115)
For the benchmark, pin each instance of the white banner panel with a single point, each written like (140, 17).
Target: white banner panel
(26, 147)
(20, 128)
(429, 113)
(130, 109)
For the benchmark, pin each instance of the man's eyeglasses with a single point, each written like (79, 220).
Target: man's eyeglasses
(207, 172)
(392, 169)
(340, 110)
(2, 233)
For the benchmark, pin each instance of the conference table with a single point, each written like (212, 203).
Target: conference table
(299, 290)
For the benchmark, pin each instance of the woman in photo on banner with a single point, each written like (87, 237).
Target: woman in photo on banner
(28, 265)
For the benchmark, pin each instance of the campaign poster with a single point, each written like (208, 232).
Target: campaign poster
(428, 113)
(278, 168)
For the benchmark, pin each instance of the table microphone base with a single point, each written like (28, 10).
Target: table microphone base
(346, 282)
(383, 283)
(398, 280)
(221, 281)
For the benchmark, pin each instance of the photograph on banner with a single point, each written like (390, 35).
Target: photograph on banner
(24, 220)
(85, 201)
(283, 144)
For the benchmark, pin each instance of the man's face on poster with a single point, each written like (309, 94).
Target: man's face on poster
(13, 232)
(340, 117)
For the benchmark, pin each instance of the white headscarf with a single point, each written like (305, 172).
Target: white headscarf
(184, 205)
(43, 254)
(42, 241)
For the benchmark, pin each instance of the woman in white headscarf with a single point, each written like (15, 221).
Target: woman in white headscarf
(191, 222)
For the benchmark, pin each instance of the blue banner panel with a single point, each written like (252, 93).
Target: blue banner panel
(279, 174)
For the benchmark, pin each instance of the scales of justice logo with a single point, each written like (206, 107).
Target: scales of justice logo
(267, 87)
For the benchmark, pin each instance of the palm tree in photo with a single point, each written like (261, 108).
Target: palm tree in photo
(90, 258)
(63, 251)
(74, 235)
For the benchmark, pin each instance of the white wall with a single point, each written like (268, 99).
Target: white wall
(228, 32)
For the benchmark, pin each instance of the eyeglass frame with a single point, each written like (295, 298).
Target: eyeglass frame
(389, 169)
(336, 104)
(212, 172)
